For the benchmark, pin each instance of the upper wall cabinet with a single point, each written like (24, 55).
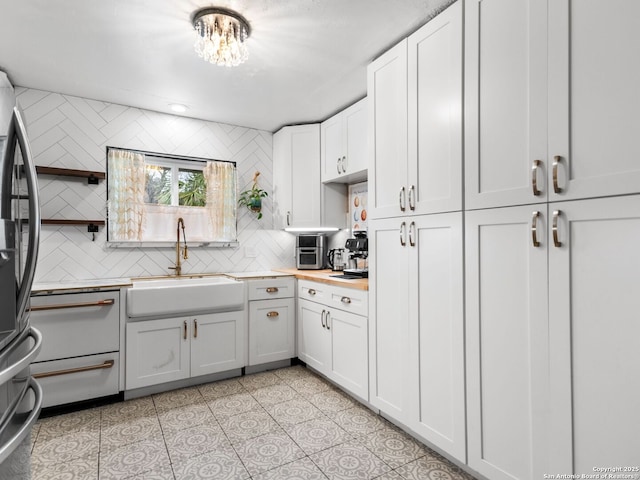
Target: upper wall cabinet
(299, 199)
(593, 99)
(415, 121)
(343, 145)
(296, 176)
(550, 101)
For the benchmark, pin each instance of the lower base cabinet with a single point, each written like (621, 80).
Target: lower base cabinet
(165, 350)
(332, 340)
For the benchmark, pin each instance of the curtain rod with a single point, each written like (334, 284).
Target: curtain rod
(171, 156)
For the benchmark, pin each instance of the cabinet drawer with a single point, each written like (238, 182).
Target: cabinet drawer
(314, 291)
(348, 300)
(278, 287)
(77, 379)
(77, 324)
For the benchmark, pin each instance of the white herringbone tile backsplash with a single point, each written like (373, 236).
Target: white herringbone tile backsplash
(72, 132)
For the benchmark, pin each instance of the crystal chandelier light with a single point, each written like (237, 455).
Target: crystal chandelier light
(221, 36)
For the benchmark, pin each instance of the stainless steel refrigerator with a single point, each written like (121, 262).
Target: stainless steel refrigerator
(20, 394)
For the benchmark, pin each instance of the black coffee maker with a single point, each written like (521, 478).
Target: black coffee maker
(358, 248)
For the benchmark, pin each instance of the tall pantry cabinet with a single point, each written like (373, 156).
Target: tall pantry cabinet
(550, 115)
(416, 337)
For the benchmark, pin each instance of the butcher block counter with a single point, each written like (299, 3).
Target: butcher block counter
(325, 276)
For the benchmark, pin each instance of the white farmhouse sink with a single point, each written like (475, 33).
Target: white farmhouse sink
(184, 295)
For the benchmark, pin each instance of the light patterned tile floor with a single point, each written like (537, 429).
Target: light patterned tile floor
(287, 423)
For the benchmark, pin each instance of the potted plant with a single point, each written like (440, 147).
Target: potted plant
(252, 198)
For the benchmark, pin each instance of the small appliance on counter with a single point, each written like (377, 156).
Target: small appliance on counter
(356, 260)
(311, 251)
(336, 259)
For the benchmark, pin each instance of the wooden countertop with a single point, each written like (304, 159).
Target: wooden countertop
(324, 276)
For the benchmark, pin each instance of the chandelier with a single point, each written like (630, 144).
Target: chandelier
(221, 36)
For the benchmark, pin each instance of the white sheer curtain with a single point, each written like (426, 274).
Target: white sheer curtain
(221, 199)
(126, 195)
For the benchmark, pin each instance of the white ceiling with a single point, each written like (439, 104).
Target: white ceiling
(307, 58)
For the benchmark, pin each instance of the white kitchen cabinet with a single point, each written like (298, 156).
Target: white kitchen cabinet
(165, 350)
(314, 343)
(272, 329)
(594, 332)
(507, 341)
(296, 175)
(217, 342)
(158, 351)
(593, 98)
(415, 126)
(343, 147)
(505, 102)
(72, 365)
(389, 357)
(417, 326)
(540, 114)
(299, 199)
(333, 332)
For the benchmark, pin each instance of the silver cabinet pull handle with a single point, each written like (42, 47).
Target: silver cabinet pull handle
(195, 328)
(534, 177)
(412, 197)
(288, 219)
(345, 300)
(556, 161)
(324, 325)
(556, 242)
(106, 364)
(403, 234)
(57, 306)
(534, 231)
(412, 231)
(403, 200)
(311, 291)
(185, 330)
(345, 164)
(338, 165)
(327, 320)
(272, 314)
(272, 290)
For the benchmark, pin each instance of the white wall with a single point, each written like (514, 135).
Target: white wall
(73, 132)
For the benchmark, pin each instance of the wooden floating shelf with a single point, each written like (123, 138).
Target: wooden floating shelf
(55, 221)
(92, 177)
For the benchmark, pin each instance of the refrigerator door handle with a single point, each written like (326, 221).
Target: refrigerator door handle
(34, 214)
(12, 370)
(25, 428)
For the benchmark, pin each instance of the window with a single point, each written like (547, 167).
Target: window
(148, 192)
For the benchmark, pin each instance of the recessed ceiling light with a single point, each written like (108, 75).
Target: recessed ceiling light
(178, 108)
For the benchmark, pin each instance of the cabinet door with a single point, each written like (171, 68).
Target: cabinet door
(217, 343)
(282, 179)
(331, 149)
(272, 330)
(349, 352)
(505, 102)
(158, 351)
(314, 340)
(594, 332)
(435, 114)
(436, 290)
(507, 342)
(297, 176)
(389, 359)
(593, 98)
(387, 94)
(355, 141)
